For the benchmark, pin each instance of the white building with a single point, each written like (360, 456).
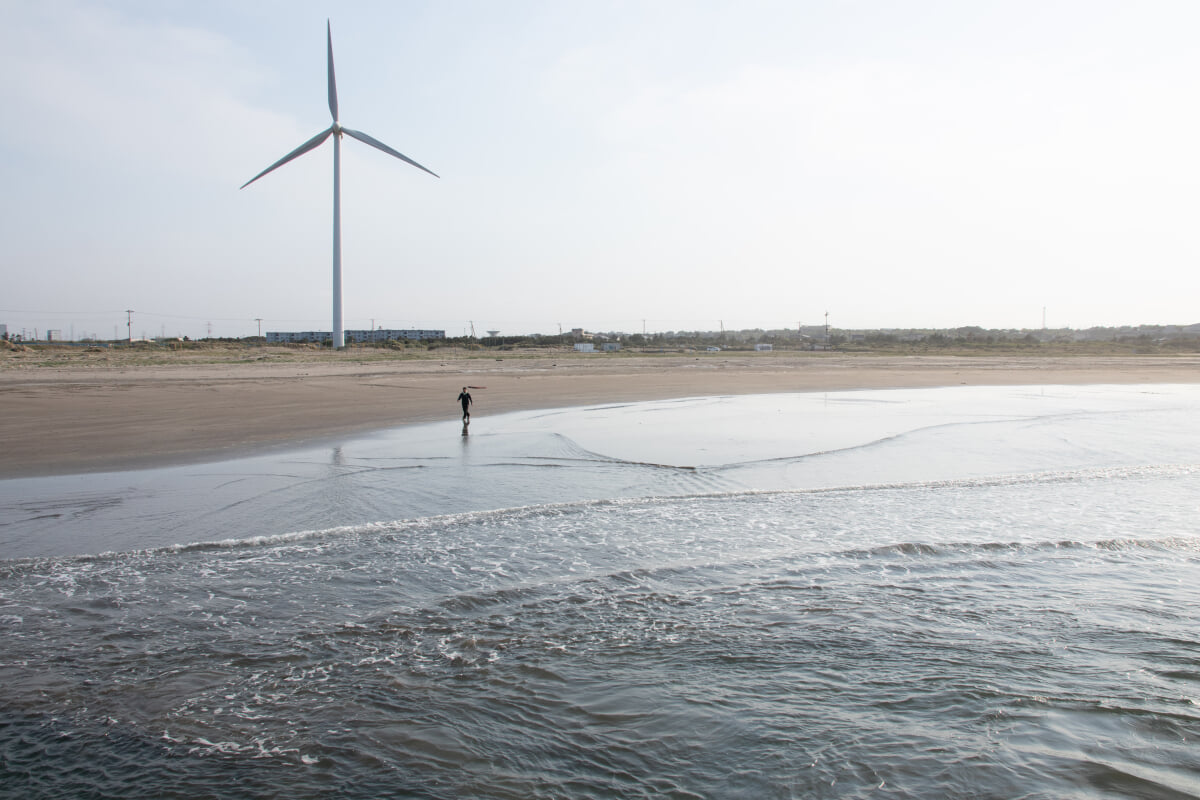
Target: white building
(585, 347)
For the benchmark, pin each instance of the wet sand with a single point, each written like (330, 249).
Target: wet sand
(73, 418)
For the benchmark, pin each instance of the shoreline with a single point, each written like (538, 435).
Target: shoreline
(92, 418)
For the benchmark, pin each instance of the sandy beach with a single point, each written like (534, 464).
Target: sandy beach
(111, 414)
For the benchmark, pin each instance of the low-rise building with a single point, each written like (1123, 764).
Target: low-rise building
(390, 334)
(298, 337)
(356, 336)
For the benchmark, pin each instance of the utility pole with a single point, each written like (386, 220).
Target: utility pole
(129, 323)
(259, 321)
(826, 327)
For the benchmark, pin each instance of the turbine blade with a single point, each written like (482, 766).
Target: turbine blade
(312, 143)
(333, 109)
(378, 145)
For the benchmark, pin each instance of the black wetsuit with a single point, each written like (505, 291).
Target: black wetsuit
(464, 397)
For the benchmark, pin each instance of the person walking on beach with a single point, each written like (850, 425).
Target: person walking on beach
(464, 397)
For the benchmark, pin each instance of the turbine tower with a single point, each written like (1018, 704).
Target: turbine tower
(336, 130)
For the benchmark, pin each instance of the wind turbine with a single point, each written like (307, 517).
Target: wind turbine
(336, 130)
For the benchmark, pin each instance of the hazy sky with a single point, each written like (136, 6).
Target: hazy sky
(609, 165)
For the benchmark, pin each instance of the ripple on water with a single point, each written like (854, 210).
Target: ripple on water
(1016, 635)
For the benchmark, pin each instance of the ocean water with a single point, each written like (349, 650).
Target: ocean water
(962, 592)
